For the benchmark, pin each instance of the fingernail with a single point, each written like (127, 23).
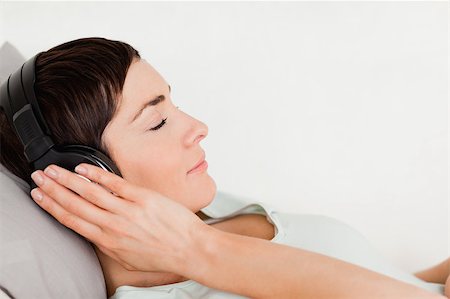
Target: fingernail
(81, 169)
(51, 172)
(37, 178)
(36, 194)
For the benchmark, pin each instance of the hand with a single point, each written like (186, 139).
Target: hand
(139, 228)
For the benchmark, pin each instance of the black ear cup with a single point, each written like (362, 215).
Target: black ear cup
(69, 156)
(98, 158)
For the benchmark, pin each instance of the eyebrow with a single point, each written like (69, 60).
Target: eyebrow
(153, 102)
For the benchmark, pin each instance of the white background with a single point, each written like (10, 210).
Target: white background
(334, 108)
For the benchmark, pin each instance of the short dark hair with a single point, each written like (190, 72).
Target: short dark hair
(78, 85)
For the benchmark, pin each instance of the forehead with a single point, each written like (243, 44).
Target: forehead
(141, 83)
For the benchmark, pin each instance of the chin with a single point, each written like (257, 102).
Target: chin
(207, 195)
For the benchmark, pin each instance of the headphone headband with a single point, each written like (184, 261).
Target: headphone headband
(27, 123)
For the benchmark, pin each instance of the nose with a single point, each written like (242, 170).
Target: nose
(199, 130)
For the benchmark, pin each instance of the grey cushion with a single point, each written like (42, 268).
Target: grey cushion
(39, 257)
(11, 59)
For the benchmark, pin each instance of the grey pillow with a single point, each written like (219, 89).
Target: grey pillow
(40, 257)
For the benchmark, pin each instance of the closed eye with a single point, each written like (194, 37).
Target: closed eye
(163, 122)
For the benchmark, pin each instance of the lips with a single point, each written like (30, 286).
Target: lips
(202, 159)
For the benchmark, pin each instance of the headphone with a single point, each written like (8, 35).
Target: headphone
(18, 100)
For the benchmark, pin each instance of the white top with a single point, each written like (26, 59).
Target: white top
(318, 233)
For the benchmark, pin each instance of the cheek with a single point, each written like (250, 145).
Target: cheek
(164, 171)
(156, 170)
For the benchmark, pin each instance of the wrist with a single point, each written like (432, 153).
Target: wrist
(196, 260)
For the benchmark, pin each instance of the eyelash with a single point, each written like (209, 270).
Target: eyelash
(163, 122)
(159, 126)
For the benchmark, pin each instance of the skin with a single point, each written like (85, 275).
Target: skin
(158, 160)
(447, 286)
(161, 164)
(439, 273)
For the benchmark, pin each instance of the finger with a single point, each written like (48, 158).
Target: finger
(88, 230)
(109, 180)
(93, 193)
(70, 201)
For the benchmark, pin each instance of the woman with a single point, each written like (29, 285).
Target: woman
(150, 231)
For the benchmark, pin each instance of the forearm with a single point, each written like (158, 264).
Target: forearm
(258, 268)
